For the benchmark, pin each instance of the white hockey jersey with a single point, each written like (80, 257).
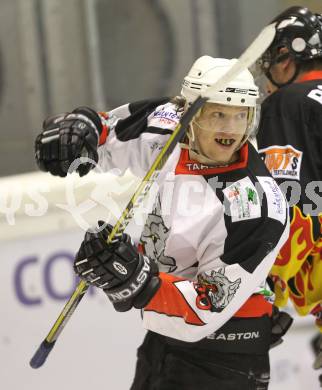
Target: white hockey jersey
(214, 232)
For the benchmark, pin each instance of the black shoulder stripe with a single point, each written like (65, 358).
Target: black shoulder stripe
(136, 124)
(147, 104)
(158, 130)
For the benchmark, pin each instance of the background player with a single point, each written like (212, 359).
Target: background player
(290, 142)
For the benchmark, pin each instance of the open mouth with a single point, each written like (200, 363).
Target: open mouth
(225, 141)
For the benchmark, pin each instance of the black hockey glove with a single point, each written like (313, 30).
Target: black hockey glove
(281, 322)
(127, 277)
(316, 343)
(66, 137)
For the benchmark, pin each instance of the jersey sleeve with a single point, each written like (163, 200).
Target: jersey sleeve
(134, 134)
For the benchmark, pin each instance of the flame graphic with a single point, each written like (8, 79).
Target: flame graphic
(300, 241)
(305, 287)
(297, 272)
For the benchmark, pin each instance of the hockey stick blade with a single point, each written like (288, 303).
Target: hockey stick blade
(41, 354)
(251, 54)
(48, 343)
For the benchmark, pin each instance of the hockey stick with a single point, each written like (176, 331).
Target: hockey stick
(254, 51)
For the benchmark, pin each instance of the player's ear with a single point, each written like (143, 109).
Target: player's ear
(287, 61)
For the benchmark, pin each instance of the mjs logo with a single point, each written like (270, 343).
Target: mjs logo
(37, 280)
(282, 161)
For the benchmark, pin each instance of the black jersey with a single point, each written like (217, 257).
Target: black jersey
(290, 142)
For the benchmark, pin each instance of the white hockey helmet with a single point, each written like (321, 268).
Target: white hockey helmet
(204, 73)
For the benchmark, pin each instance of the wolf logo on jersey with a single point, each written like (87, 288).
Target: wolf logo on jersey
(215, 290)
(154, 237)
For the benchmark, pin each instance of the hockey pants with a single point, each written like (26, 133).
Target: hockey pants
(162, 366)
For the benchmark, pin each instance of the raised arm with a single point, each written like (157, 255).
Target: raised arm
(129, 136)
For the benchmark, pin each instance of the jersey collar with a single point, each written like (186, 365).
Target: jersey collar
(186, 166)
(311, 75)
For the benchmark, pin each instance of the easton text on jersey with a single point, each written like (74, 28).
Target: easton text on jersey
(234, 336)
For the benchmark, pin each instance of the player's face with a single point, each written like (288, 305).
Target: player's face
(219, 130)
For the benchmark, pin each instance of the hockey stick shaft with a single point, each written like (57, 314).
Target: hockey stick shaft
(254, 51)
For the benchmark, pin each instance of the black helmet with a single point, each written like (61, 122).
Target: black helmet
(300, 31)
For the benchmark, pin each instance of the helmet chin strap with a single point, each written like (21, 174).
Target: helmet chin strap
(290, 81)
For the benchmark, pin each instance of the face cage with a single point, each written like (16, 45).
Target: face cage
(262, 67)
(268, 59)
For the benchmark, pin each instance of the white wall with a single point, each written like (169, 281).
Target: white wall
(97, 347)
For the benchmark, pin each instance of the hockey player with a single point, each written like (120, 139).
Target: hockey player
(290, 142)
(200, 264)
